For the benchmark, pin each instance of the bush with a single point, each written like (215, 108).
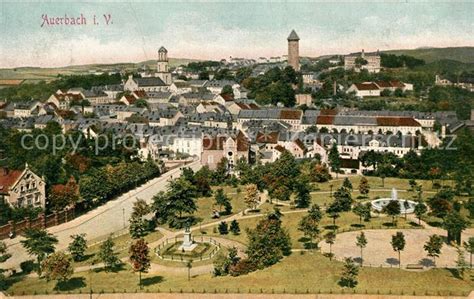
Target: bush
(28, 266)
(241, 268)
(223, 228)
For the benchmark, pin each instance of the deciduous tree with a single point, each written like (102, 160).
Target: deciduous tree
(398, 244)
(139, 258)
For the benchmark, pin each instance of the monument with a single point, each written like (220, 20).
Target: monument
(188, 244)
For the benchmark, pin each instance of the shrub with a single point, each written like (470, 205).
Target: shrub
(241, 268)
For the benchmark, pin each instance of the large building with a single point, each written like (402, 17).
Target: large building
(293, 50)
(362, 61)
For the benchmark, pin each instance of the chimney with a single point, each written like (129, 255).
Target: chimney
(4, 171)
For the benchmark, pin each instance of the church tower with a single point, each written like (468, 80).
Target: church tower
(293, 50)
(162, 66)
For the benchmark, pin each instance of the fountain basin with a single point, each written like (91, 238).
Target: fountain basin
(379, 204)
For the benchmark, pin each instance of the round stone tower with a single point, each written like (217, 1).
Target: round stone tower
(293, 50)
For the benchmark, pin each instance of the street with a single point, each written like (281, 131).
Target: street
(100, 222)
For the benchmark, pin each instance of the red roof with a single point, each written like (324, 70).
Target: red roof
(300, 144)
(397, 121)
(7, 180)
(367, 86)
(328, 112)
(130, 99)
(227, 97)
(290, 114)
(325, 119)
(140, 94)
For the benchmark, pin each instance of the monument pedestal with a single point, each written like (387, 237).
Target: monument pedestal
(188, 244)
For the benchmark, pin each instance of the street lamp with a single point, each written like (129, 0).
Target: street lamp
(123, 215)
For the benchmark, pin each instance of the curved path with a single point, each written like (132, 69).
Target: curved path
(102, 221)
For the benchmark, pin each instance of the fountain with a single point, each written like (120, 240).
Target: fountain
(407, 208)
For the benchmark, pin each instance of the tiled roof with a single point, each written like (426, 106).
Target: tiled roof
(397, 121)
(325, 120)
(366, 86)
(7, 180)
(290, 114)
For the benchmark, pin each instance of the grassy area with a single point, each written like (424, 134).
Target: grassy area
(375, 183)
(347, 221)
(299, 272)
(122, 244)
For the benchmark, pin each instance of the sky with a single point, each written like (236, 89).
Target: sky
(216, 30)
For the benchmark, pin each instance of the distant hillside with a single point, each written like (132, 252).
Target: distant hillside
(462, 54)
(446, 66)
(32, 74)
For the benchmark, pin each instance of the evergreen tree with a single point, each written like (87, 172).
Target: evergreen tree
(78, 247)
(347, 184)
(349, 274)
(107, 254)
(334, 159)
(343, 198)
(234, 227)
(398, 244)
(223, 228)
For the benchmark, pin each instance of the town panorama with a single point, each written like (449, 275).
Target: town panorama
(313, 173)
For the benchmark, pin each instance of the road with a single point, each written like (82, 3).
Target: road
(100, 222)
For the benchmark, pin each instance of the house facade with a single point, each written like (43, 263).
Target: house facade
(22, 188)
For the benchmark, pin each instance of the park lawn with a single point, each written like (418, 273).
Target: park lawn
(122, 244)
(302, 273)
(205, 205)
(346, 222)
(375, 183)
(196, 262)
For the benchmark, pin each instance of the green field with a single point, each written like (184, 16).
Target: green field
(299, 272)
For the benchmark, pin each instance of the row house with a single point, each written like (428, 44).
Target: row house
(368, 125)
